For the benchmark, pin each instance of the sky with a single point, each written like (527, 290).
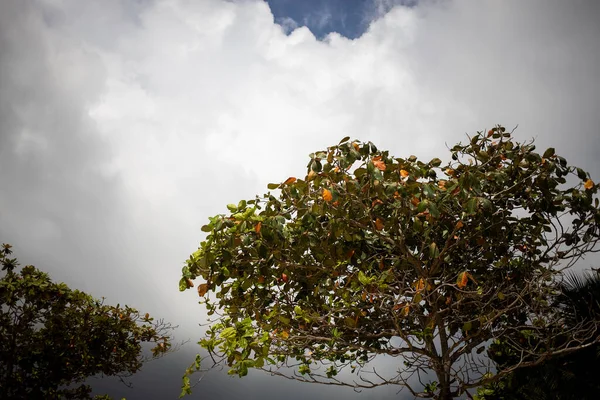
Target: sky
(125, 124)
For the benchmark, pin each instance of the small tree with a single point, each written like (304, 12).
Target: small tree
(371, 254)
(572, 376)
(52, 338)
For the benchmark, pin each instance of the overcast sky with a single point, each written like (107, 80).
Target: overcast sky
(125, 124)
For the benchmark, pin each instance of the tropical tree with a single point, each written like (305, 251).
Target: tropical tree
(570, 377)
(370, 254)
(52, 338)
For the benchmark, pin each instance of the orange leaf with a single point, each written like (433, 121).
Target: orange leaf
(380, 165)
(588, 184)
(490, 132)
(378, 224)
(189, 283)
(406, 310)
(375, 202)
(449, 172)
(415, 201)
(202, 289)
(327, 196)
(285, 334)
(404, 173)
(356, 146)
(289, 180)
(461, 282)
(459, 225)
(257, 227)
(350, 253)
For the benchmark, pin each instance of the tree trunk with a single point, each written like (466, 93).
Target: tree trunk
(444, 386)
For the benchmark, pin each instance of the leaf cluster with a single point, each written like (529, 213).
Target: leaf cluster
(52, 338)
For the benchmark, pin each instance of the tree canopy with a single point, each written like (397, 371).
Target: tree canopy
(370, 254)
(52, 338)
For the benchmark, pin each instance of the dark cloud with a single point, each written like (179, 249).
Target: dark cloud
(125, 124)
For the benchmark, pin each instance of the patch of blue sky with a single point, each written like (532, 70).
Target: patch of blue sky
(349, 18)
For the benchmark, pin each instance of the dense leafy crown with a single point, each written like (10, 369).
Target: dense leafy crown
(371, 254)
(53, 338)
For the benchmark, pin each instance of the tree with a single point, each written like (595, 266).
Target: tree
(571, 377)
(52, 338)
(371, 254)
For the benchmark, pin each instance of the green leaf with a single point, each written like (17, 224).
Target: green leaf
(471, 205)
(433, 251)
(422, 206)
(183, 284)
(549, 152)
(232, 207)
(228, 333)
(344, 140)
(273, 186)
(362, 278)
(428, 190)
(206, 228)
(436, 162)
(433, 210)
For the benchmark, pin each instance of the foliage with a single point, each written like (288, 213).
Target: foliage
(53, 338)
(570, 377)
(372, 254)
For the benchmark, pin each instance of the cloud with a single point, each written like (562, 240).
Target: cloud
(125, 125)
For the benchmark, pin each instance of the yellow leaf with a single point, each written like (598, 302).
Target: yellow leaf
(311, 175)
(356, 146)
(419, 285)
(285, 334)
(289, 180)
(327, 196)
(378, 224)
(404, 173)
(461, 282)
(257, 227)
(202, 289)
(588, 184)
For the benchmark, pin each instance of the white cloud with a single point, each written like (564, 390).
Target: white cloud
(126, 124)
